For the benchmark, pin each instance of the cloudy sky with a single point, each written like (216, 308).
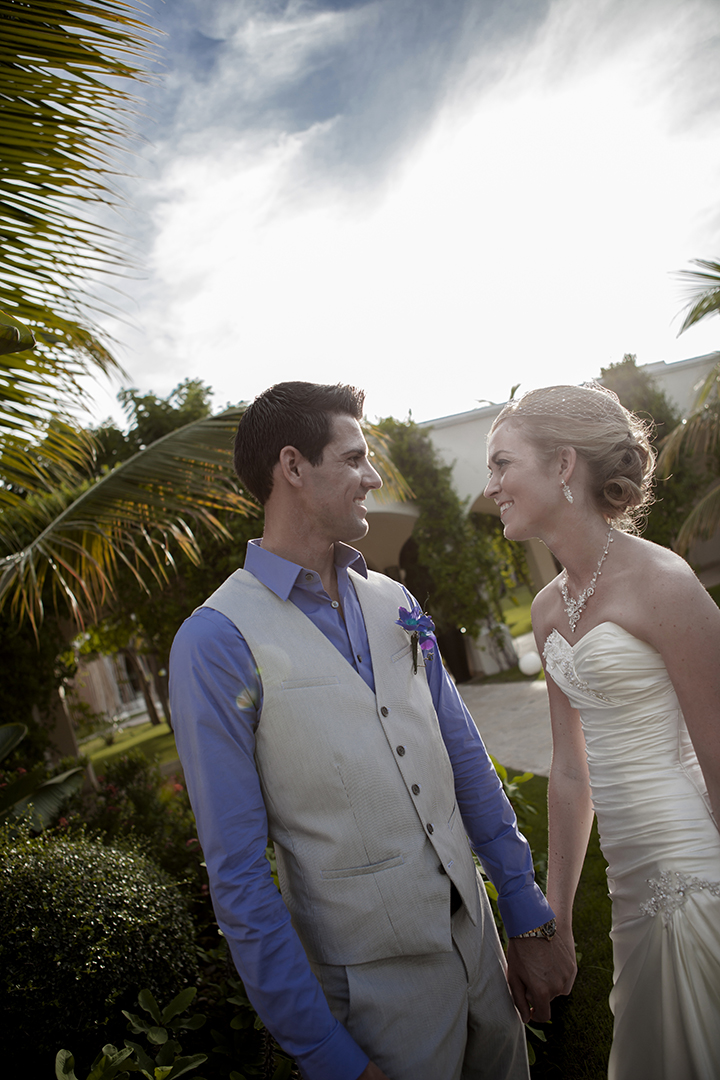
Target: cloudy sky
(434, 199)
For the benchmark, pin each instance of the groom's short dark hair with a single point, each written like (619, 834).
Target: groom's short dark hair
(295, 414)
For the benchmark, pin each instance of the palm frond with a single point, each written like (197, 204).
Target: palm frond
(703, 287)
(133, 516)
(699, 431)
(702, 522)
(64, 458)
(76, 538)
(395, 487)
(66, 122)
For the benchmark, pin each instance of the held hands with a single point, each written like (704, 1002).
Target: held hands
(539, 970)
(371, 1072)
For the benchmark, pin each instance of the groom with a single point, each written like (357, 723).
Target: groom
(299, 715)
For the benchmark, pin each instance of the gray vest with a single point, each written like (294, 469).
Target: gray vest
(358, 786)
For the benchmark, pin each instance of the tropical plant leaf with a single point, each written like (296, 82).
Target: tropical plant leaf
(65, 1065)
(184, 1065)
(48, 799)
(14, 335)
(395, 487)
(77, 537)
(179, 1004)
(20, 788)
(131, 516)
(10, 736)
(702, 522)
(704, 289)
(67, 119)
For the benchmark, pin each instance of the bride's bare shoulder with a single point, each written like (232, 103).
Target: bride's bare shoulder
(656, 572)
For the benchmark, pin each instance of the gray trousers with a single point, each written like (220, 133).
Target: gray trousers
(442, 1016)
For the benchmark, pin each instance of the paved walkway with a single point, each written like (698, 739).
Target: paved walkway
(513, 718)
(514, 721)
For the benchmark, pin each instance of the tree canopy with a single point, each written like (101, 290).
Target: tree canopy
(456, 566)
(675, 490)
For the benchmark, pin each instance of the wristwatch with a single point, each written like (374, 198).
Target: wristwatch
(547, 931)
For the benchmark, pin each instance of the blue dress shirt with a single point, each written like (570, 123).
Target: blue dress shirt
(216, 700)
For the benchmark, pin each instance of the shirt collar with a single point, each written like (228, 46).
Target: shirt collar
(280, 575)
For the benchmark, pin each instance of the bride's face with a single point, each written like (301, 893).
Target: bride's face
(521, 483)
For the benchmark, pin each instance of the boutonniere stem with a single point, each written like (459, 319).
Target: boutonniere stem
(421, 629)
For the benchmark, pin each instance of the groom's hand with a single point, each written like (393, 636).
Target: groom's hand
(371, 1072)
(538, 970)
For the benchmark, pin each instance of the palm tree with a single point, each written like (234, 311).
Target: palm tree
(698, 433)
(704, 292)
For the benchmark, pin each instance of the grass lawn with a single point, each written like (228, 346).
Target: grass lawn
(578, 1040)
(516, 610)
(155, 741)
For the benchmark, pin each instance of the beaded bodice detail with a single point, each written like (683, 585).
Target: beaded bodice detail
(558, 653)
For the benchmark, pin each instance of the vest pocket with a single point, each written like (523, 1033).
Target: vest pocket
(310, 681)
(356, 871)
(405, 651)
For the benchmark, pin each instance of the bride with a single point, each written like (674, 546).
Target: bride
(631, 646)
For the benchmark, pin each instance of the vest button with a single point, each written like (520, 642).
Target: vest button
(415, 789)
(384, 711)
(401, 751)
(430, 828)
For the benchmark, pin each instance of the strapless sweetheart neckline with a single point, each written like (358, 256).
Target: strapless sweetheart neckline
(598, 626)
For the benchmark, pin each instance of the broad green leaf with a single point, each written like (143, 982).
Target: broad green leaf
(10, 736)
(157, 1035)
(168, 1053)
(179, 1003)
(50, 797)
(137, 1025)
(65, 1065)
(147, 1002)
(19, 790)
(14, 336)
(112, 1062)
(283, 1070)
(143, 1059)
(185, 1064)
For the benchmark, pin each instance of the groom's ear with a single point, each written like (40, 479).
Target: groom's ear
(289, 465)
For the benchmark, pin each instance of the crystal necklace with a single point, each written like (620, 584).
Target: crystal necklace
(575, 608)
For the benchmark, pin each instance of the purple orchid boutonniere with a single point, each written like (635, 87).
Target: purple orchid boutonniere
(421, 629)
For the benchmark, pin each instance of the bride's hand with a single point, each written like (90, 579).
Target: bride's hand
(539, 970)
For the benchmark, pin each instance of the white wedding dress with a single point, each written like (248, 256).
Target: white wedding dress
(662, 846)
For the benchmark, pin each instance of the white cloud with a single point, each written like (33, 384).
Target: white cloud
(529, 236)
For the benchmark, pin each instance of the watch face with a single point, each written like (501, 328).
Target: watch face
(549, 929)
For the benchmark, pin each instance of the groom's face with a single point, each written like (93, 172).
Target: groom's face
(338, 485)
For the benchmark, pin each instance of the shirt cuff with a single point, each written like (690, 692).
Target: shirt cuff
(525, 911)
(338, 1057)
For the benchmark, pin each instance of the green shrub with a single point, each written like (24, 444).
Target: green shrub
(133, 800)
(82, 926)
(163, 1055)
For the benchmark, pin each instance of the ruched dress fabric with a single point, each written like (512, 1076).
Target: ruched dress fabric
(662, 846)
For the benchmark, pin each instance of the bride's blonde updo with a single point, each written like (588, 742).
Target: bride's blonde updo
(613, 441)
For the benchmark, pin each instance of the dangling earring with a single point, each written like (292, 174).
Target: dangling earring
(566, 491)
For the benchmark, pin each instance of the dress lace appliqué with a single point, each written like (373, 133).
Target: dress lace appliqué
(557, 651)
(669, 894)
